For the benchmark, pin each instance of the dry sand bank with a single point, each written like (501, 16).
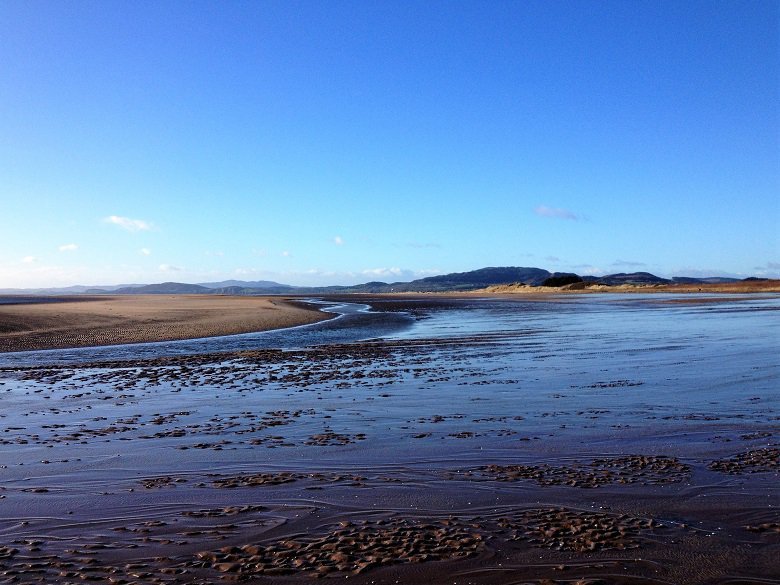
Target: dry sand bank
(92, 321)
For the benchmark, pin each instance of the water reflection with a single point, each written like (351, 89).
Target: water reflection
(628, 319)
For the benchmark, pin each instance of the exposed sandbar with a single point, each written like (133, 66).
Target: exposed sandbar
(91, 321)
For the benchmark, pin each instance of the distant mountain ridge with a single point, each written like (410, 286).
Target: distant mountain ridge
(456, 281)
(223, 284)
(629, 278)
(66, 290)
(479, 278)
(164, 288)
(709, 279)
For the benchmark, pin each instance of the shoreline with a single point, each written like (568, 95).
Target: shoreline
(78, 322)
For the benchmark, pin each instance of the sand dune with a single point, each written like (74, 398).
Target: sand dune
(751, 286)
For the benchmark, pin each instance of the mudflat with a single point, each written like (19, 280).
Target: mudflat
(592, 439)
(85, 321)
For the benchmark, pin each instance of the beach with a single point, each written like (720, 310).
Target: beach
(86, 321)
(584, 439)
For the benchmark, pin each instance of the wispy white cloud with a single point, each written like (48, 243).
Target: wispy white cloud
(383, 272)
(68, 248)
(554, 259)
(214, 254)
(768, 270)
(589, 270)
(145, 252)
(29, 259)
(628, 263)
(246, 271)
(768, 266)
(169, 268)
(126, 223)
(286, 253)
(36, 275)
(555, 212)
(398, 273)
(338, 240)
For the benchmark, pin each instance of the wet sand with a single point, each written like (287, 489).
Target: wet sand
(629, 444)
(87, 321)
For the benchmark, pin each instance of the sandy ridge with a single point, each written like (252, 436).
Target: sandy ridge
(92, 321)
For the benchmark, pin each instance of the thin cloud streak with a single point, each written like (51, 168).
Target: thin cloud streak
(555, 212)
(588, 270)
(399, 274)
(385, 272)
(128, 224)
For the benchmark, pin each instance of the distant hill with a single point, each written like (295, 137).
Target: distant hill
(264, 284)
(368, 287)
(164, 288)
(708, 280)
(562, 279)
(630, 278)
(474, 279)
(456, 281)
(66, 290)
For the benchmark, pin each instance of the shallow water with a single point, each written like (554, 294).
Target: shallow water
(550, 385)
(353, 322)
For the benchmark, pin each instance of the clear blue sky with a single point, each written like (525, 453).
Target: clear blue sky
(339, 142)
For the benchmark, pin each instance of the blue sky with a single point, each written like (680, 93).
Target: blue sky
(340, 142)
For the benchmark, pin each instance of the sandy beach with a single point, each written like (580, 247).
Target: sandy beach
(86, 321)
